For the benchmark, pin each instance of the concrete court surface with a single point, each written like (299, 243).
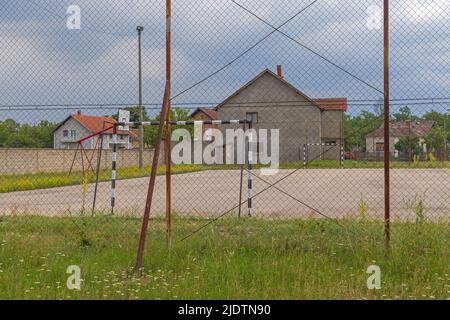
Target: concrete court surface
(335, 193)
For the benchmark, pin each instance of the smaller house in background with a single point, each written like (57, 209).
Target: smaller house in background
(398, 130)
(78, 126)
(206, 114)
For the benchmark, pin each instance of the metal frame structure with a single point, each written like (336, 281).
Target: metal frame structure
(164, 116)
(183, 123)
(165, 119)
(387, 174)
(84, 152)
(167, 124)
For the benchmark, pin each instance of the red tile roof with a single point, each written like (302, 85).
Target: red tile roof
(339, 104)
(95, 124)
(405, 129)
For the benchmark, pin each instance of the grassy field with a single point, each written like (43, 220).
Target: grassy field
(231, 259)
(11, 183)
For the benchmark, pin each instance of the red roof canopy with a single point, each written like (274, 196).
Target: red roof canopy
(339, 104)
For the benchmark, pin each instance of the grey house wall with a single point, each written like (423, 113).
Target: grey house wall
(332, 131)
(299, 122)
(372, 141)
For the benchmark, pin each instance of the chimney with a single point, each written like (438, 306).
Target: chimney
(279, 71)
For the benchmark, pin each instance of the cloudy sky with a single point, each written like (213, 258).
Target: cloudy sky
(44, 63)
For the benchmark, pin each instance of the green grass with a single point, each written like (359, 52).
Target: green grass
(11, 183)
(232, 259)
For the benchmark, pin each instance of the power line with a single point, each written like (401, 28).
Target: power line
(195, 105)
(308, 48)
(243, 53)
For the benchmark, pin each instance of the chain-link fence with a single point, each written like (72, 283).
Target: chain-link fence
(313, 70)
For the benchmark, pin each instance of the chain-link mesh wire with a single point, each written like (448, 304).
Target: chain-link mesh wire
(325, 100)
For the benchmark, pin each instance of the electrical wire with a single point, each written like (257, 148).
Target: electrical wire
(243, 53)
(309, 49)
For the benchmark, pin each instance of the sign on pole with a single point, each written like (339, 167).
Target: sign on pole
(124, 116)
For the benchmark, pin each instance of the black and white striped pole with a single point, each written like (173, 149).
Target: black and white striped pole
(114, 170)
(304, 156)
(250, 169)
(175, 123)
(241, 179)
(183, 123)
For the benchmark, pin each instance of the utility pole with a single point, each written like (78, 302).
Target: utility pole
(168, 145)
(158, 144)
(141, 107)
(387, 183)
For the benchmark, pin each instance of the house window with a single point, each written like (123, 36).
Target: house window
(73, 134)
(379, 146)
(65, 133)
(252, 116)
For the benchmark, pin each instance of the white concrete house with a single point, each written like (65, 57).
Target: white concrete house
(79, 126)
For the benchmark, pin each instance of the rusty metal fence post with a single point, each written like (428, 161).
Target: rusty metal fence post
(163, 119)
(387, 202)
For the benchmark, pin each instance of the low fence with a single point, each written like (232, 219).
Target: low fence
(379, 156)
(397, 156)
(30, 161)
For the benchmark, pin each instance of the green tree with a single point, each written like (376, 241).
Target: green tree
(437, 139)
(441, 120)
(4, 135)
(15, 135)
(358, 127)
(8, 132)
(177, 114)
(404, 114)
(411, 145)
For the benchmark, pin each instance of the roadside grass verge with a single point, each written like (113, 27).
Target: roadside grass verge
(231, 259)
(12, 183)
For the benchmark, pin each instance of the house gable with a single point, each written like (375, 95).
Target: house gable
(276, 104)
(70, 124)
(267, 87)
(205, 114)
